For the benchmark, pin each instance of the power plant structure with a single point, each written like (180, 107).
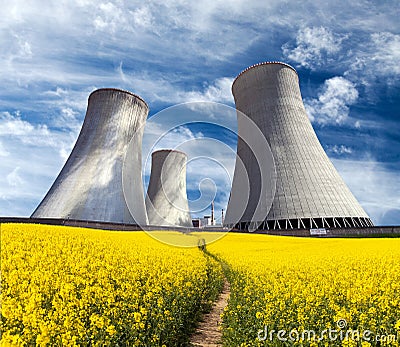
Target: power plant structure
(89, 186)
(166, 199)
(212, 213)
(309, 191)
(291, 185)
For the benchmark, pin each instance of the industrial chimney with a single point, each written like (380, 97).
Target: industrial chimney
(212, 213)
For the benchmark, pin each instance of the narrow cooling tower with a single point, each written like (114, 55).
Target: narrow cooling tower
(166, 200)
(309, 191)
(89, 187)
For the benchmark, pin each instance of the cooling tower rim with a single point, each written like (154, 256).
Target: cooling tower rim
(261, 64)
(121, 91)
(169, 151)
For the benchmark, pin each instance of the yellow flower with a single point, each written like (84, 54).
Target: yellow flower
(56, 279)
(397, 326)
(137, 316)
(304, 283)
(111, 330)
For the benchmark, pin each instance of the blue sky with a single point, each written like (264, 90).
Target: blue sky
(53, 54)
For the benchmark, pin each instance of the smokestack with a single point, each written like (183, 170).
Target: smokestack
(212, 213)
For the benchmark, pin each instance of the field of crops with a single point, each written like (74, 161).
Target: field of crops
(70, 286)
(309, 287)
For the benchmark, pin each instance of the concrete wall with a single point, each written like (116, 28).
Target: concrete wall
(378, 232)
(307, 184)
(166, 200)
(89, 187)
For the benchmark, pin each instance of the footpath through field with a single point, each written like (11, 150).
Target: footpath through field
(209, 333)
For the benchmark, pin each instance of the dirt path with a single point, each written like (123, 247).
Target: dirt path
(208, 333)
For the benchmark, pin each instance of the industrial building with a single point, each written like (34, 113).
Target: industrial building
(89, 186)
(166, 200)
(309, 191)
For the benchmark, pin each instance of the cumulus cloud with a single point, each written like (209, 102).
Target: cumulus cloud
(3, 151)
(314, 46)
(143, 17)
(378, 58)
(158, 88)
(174, 137)
(176, 51)
(32, 155)
(338, 149)
(218, 91)
(14, 179)
(375, 185)
(332, 104)
(12, 126)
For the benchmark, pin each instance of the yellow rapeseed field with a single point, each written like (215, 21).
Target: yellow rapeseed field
(65, 286)
(71, 286)
(301, 284)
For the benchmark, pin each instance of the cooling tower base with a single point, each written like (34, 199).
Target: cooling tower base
(306, 223)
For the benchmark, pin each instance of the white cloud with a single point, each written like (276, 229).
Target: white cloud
(219, 91)
(157, 136)
(110, 18)
(3, 151)
(332, 105)
(387, 52)
(176, 137)
(211, 162)
(33, 156)
(53, 55)
(315, 46)
(14, 179)
(376, 187)
(143, 17)
(339, 149)
(158, 88)
(376, 59)
(13, 126)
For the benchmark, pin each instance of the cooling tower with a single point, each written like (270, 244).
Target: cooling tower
(309, 191)
(89, 187)
(166, 200)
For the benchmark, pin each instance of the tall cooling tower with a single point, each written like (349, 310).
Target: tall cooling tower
(166, 200)
(89, 187)
(309, 191)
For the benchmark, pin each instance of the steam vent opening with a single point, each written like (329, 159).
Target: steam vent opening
(309, 191)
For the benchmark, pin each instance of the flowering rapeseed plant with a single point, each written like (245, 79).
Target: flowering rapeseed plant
(71, 286)
(285, 283)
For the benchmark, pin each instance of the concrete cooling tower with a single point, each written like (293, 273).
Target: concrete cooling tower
(89, 187)
(166, 200)
(309, 191)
